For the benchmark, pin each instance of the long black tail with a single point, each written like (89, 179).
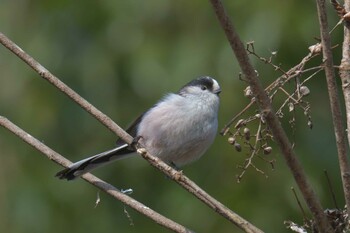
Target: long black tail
(86, 165)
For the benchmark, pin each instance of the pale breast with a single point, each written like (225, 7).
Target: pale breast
(178, 135)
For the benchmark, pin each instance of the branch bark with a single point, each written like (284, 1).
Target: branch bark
(102, 185)
(191, 187)
(177, 176)
(266, 108)
(344, 73)
(44, 73)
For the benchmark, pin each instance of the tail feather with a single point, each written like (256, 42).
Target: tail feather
(86, 165)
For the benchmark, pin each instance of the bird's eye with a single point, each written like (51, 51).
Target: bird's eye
(203, 87)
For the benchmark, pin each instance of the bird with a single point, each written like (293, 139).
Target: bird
(178, 129)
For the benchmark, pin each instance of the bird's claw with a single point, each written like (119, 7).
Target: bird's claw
(135, 142)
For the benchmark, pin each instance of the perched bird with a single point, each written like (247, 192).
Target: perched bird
(178, 129)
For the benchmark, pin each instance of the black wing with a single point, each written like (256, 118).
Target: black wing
(132, 129)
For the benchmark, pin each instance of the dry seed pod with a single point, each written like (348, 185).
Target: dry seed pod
(246, 133)
(291, 106)
(304, 90)
(248, 92)
(309, 123)
(267, 150)
(238, 147)
(231, 140)
(239, 124)
(317, 48)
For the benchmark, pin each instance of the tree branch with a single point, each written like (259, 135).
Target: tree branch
(177, 176)
(266, 108)
(44, 73)
(191, 187)
(344, 73)
(102, 185)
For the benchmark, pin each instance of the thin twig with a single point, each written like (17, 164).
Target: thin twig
(190, 186)
(249, 161)
(227, 126)
(265, 106)
(299, 204)
(44, 73)
(109, 123)
(334, 101)
(280, 81)
(339, 8)
(331, 189)
(102, 185)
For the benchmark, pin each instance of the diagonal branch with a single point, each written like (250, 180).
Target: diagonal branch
(102, 185)
(44, 73)
(177, 176)
(333, 96)
(265, 106)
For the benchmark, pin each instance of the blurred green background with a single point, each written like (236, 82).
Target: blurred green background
(122, 56)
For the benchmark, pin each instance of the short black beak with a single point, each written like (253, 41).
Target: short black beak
(218, 91)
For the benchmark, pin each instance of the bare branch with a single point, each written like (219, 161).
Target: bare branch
(339, 8)
(331, 189)
(254, 152)
(227, 126)
(344, 69)
(104, 119)
(102, 185)
(264, 104)
(190, 186)
(280, 81)
(334, 101)
(44, 73)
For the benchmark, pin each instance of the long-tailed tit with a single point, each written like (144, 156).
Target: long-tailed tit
(178, 129)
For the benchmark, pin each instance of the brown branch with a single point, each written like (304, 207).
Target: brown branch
(102, 185)
(338, 8)
(227, 126)
(265, 106)
(280, 81)
(104, 119)
(44, 73)
(254, 152)
(190, 186)
(344, 73)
